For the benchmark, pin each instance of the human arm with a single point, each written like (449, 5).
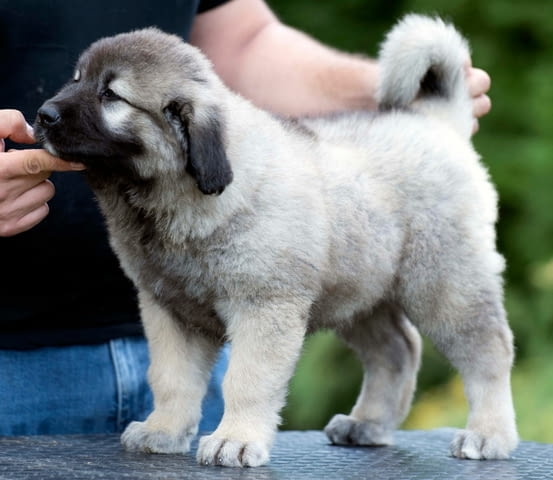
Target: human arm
(278, 67)
(24, 185)
(288, 72)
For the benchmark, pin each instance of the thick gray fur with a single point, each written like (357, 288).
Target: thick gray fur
(236, 226)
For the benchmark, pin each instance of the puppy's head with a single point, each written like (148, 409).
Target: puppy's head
(140, 105)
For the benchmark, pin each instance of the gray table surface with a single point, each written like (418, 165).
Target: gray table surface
(296, 455)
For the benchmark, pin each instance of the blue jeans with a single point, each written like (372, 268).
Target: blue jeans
(86, 389)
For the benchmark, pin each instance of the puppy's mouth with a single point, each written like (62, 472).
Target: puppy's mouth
(96, 154)
(66, 155)
(42, 139)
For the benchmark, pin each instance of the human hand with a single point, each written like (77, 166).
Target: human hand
(24, 184)
(479, 83)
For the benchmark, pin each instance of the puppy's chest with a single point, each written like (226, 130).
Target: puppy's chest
(151, 255)
(180, 283)
(170, 272)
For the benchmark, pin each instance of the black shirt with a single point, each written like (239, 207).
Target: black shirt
(60, 283)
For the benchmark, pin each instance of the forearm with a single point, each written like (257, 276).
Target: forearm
(283, 70)
(302, 76)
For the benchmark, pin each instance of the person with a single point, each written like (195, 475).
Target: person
(72, 354)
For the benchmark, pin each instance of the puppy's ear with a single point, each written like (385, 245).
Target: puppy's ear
(202, 144)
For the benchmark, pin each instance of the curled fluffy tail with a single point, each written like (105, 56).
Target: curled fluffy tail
(422, 62)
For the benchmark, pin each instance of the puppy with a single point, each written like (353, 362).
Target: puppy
(238, 226)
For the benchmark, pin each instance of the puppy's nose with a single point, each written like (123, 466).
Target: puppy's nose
(48, 115)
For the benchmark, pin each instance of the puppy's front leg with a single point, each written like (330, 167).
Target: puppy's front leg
(180, 364)
(266, 341)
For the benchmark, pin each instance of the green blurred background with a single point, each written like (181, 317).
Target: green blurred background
(513, 41)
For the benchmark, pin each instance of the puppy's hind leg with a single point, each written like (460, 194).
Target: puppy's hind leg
(180, 363)
(467, 324)
(389, 348)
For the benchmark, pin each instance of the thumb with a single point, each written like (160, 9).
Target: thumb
(14, 127)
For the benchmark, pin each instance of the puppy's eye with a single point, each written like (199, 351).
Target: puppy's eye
(109, 94)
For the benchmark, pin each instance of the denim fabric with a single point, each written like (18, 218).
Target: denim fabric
(85, 389)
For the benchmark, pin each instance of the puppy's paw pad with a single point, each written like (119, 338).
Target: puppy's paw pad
(345, 430)
(137, 437)
(224, 452)
(475, 446)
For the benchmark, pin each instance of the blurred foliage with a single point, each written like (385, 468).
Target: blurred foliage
(513, 41)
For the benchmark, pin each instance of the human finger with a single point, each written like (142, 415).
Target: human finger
(18, 163)
(481, 105)
(25, 223)
(29, 200)
(479, 82)
(14, 127)
(33, 218)
(27, 210)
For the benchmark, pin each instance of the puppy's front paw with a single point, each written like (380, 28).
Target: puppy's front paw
(475, 446)
(225, 452)
(345, 430)
(139, 437)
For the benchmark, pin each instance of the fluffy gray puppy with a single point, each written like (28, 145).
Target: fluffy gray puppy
(238, 226)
